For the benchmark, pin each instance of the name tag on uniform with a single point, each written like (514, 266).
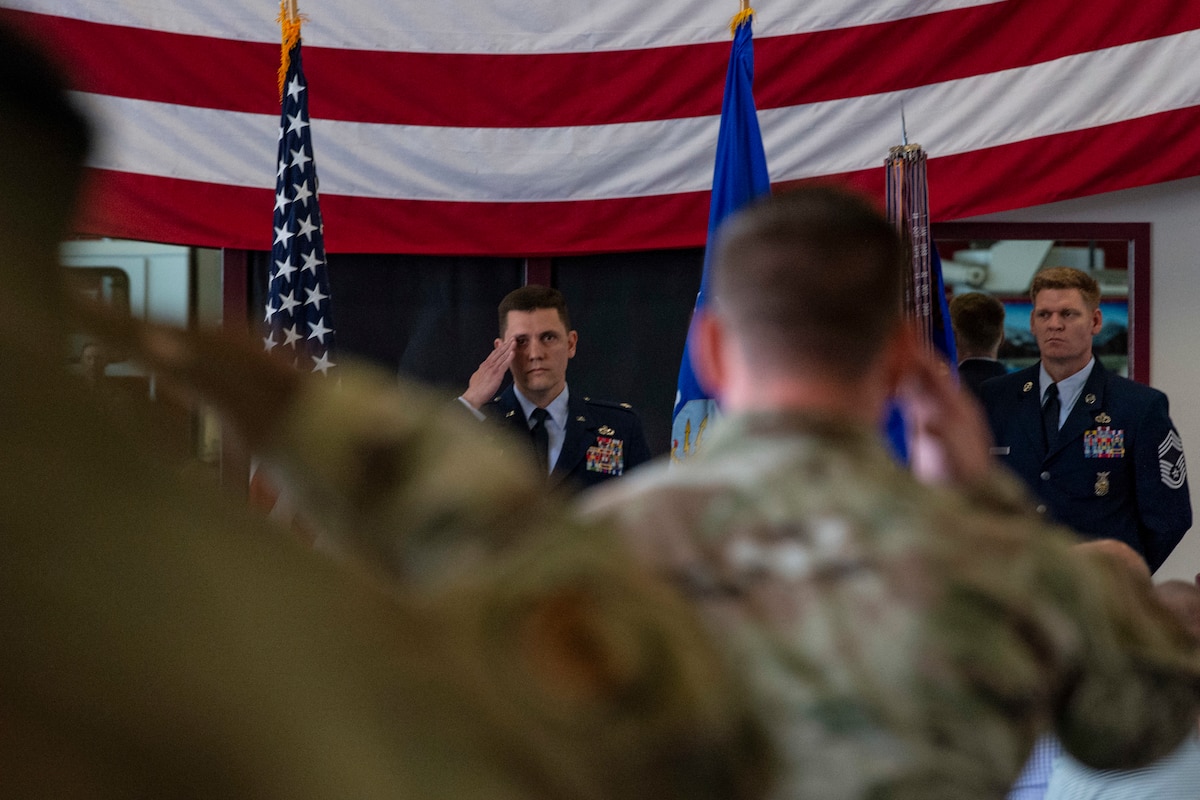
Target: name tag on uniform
(606, 456)
(1104, 442)
(999, 451)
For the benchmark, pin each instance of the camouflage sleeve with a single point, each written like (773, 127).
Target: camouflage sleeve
(594, 672)
(1122, 675)
(999, 492)
(390, 475)
(1134, 692)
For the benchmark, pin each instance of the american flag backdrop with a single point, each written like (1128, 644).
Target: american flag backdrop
(570, 126)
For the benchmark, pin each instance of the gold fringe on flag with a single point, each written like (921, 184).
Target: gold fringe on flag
(289, 23)
(740, 18)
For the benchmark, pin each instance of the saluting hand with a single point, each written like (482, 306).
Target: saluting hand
(486, 380)
(949, 436)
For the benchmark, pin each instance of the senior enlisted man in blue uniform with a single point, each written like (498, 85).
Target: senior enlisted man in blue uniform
(1100, 451)
(579, 440)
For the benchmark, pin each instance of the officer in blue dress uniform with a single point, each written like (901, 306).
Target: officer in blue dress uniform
(1099, 451)
(582, 441)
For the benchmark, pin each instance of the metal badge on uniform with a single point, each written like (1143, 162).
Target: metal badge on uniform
(1104, 442)
(509, 414)
(1090, 399)
(1101, 484)
(606, 456)
(1027, 387)
(606, 431)
(1103, 418)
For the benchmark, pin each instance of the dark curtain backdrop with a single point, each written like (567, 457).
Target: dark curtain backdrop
(632, 312)
(433, 319)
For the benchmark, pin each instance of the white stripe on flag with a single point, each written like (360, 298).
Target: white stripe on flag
(659, 157)
(471, 26)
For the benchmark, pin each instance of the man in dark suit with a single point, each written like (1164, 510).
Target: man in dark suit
(579, 440)
(1100, 451)
(978, 321)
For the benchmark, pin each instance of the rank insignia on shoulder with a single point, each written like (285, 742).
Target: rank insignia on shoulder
(1027, 387)
(1101, 484)
(1171, 466)
(1090, 399)
(1103, 418)
(606, 431)
(1104, 442)
(606, 456)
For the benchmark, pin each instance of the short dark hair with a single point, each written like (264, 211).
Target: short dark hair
(531, 298)
(978, 321)
(1066, 278)
(812, 277)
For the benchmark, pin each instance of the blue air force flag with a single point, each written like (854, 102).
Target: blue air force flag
(739, 175)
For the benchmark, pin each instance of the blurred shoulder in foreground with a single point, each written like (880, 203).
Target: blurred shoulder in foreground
(162, 641)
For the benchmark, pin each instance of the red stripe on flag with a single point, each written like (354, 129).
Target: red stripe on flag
(1028, 173)
(163, 67)
(603, 87)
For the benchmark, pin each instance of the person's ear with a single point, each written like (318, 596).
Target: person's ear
(707, 350)
(572, 340)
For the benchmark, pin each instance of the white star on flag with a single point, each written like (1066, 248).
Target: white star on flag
(319, 330)
(323, 364)
(314, 295)
(283, 270)
(306, 228)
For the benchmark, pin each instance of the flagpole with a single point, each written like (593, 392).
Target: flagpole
(292, 10)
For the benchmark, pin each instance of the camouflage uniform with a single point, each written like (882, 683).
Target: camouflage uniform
(160, 641)
(600, 681)
(903, 641)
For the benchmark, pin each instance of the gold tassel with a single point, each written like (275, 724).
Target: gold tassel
(290, 27)
(739, 18)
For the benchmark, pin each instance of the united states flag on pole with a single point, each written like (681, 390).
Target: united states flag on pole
(298, 318)
(298, 312)
(739, 175)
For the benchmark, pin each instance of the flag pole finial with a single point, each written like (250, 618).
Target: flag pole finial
(744, 14)
(289, 24)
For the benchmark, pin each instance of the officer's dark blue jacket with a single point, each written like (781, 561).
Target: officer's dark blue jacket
(1116, 470)
(603, 439)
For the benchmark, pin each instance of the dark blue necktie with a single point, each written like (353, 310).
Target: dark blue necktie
(541, 437)
(1050, 411)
